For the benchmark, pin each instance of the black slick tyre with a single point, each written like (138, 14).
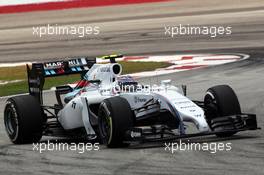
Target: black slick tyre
(114, 119)
(221, 101)
(23, 119)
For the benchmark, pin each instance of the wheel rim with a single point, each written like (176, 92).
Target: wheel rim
(105, 127)
(10, 122)
(211, 108)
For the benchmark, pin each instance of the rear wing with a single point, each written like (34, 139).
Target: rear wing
(39, 71)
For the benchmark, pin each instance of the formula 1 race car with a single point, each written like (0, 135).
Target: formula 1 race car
(117, 110)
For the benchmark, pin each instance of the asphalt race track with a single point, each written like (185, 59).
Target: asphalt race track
(137, 30)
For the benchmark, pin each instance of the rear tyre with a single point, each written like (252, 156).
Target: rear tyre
(23, 119)
(115, 117)
(221, 101)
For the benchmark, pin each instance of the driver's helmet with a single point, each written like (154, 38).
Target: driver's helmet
(126, 83)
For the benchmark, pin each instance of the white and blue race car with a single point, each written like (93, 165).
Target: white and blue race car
(116, 110)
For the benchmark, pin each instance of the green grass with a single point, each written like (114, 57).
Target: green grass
(13, 73)
(19, 73)
(13, 88)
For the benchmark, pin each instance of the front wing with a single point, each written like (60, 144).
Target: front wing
(162, 134)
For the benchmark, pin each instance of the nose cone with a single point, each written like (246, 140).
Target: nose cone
(192, 113)
(202, 125)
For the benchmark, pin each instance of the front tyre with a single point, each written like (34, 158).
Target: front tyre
(115, 117)
(221, 101)
(23, 119)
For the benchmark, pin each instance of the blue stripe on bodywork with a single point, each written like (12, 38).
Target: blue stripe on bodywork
(73, 69)
(52, 72)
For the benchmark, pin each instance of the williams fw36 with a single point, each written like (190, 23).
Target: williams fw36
(116, 110)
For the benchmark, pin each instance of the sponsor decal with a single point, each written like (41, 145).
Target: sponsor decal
(181, 102)
(139, 100)
(134, 134)
(198, 115)
(105, 69)
(73, 105)
(60, 64)
(53, 65)
(190, 106)
(74, 63)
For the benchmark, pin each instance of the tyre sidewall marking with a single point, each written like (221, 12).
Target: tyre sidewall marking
(211, 95)
(108, 113)
(12, 107)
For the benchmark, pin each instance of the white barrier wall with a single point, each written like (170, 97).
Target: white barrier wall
(20, 2)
